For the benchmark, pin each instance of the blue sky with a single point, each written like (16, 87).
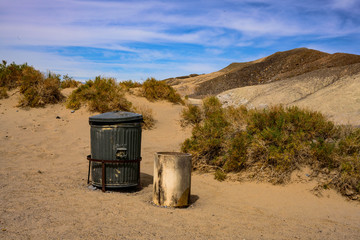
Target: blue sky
(145, 38)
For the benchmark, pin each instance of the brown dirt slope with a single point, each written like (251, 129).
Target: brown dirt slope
(278, 66)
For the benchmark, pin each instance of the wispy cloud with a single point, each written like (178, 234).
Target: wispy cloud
(132, 39)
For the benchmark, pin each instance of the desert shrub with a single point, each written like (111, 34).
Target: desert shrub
(3, 93)
(219, 175)
(272, 143)
(11, 75)
(349, 162)
(101, 95)
(208, 136)
(38, 89)
(148, 116)
(129, 84)
(68, 82)
(154, 90)
(191, 115)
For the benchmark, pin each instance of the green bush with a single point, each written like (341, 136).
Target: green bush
(154, 90)
(191, 115)
(272, 143)
(208, 136)
(101, 95)
(68, 82)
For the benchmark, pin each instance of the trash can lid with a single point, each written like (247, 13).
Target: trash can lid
(115, 117)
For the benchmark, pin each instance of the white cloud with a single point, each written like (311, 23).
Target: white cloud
(161, 27)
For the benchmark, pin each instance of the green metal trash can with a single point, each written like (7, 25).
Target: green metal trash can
(115, 149)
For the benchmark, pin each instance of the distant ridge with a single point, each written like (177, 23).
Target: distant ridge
(278, 66)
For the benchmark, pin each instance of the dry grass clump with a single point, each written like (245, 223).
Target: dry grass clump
(148, 116)
(11, 75)
(3, 93)
(127, 85)
(36, 89)
(272, 143)
(105, 95)
(191, 116)
(101, 95)
(154, 90)
(69, 82)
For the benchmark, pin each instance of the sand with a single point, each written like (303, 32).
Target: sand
(44, 194)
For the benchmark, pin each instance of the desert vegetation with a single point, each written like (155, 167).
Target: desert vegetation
(105, 95)
(148, 116)
(100, 95)
(37, 89)
(69, 82)
(129, 84)
(154, 90)
(270, 144)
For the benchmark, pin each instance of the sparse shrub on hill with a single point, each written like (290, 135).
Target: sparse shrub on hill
(154, 90)
(126, 85)
(38, 89)
(272, 143)
(68, 82)
(101, 95)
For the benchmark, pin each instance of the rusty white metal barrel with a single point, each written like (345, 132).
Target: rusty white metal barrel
(172, 179)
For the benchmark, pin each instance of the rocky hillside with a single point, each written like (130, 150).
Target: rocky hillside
(278, 66)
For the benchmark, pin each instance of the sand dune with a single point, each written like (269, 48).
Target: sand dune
(44, 194)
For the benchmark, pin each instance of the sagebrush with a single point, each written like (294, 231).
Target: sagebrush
(126, 85)
(272, 143)
(100, 95)
(148, 116)
(154, 90)
(69, 82)
(36, 89)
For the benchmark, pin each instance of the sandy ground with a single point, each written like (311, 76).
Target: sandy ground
(44, 194)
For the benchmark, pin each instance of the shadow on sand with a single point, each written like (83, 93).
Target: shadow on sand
(145, 181)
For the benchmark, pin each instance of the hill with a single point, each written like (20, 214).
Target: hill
(334, 92)
(278, 66)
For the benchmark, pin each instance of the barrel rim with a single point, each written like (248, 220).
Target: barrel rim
(115, 117)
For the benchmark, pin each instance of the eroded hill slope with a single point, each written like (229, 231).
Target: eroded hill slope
(334, 92)
(278, 66)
